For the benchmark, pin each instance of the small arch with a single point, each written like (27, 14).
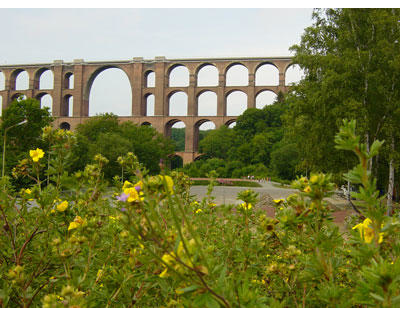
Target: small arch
(201, 128)
(46, 101)
(69, 80)
(150, 79)
(175, 161)
(176, 130)
(207, 103)
(66, 126)
(178, 104)
(145, 124)
(2, 81)
(18, 96)
(265, 98)
(201, 157)
(267, 75)
(178, 76)
(207, 76)
(67, 107)
(237, 75)
(293, 75)
(44, 79)
(236, 103)
(150, 100)
(21, 79)
(230, 123)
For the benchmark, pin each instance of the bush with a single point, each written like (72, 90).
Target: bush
(145, 242)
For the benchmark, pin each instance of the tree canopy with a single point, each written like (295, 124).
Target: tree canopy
(103, 134)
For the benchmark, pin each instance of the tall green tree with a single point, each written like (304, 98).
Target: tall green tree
(351, 61)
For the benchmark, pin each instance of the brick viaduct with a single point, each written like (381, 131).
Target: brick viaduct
(137, 71)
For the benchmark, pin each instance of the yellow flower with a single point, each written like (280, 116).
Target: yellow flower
(78, 221)
(132, 194)
(279, 201)
(36, 154)
(73, 225)
(141, 196)
(246, 206)
(164, 274)
(307, 189)
(366, 231)
(170, 183)
(314, 179)
(168, 259)
(60, 132)
(62, 206)
(99, 274)
(27, 192)
(53, 211)
(198, 210)
(126, 185)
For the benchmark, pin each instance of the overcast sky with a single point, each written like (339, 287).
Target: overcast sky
(44, 35)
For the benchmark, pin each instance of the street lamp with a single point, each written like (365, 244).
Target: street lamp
(4, 144)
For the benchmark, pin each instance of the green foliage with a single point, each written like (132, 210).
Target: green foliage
(218, 143)
(284, 160)
(103, 134)
(178, 136)
(350, 59)
(248, 148)
(147, 243)
(26, 136)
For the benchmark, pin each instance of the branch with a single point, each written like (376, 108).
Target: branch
(34, 233)
(356, 210)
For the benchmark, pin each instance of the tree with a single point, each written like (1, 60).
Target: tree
(93, 127)
(21, 139)
(217, 143)
(103, 134)
(284, 160)
(148, 145)
(351, 61)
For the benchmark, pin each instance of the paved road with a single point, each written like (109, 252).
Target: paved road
(227, 195)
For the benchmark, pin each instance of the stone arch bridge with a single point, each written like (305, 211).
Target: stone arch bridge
(138, 71)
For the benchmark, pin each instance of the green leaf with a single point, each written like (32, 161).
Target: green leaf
(377, 297)
(187, 289)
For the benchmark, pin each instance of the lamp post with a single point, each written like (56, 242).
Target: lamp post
(4, 144)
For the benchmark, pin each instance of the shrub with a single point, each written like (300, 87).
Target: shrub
(145, 242)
